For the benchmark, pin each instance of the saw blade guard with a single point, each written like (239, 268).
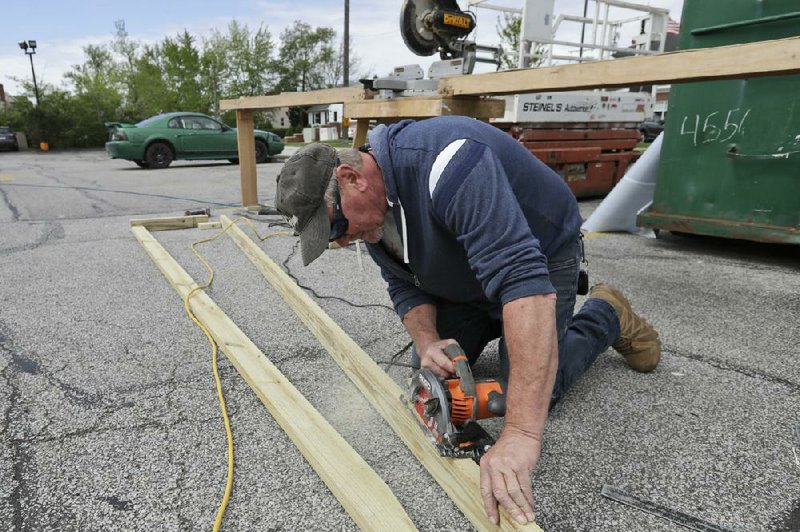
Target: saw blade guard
(430, 26)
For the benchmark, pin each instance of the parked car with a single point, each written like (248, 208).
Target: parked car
(649, 130)
(161, 139)
(8, 139)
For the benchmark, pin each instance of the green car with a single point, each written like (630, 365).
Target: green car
(161, 139)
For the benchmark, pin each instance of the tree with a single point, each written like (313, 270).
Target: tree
(96, 99)
(239, 63)
(333, 70)
(179, 62)
(303, 53)
(509, 30)
(127, 71)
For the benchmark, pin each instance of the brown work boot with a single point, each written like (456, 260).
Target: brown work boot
(638, 341)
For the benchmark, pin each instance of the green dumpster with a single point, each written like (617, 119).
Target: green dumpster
(730, 159)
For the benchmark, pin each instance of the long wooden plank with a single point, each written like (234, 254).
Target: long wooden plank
(289, 99)
(764, 58)
(459, 478)
(362, 493)
(169, 223)
(423, 107)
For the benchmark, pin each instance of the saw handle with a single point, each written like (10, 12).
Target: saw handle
(463, 371)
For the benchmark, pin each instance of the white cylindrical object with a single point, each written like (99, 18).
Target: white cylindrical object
(617, 212)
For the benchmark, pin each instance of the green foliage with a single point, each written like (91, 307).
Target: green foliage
(127, 81)
(509, 30)
(303, 56)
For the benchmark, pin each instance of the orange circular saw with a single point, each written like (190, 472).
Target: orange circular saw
(449, 408)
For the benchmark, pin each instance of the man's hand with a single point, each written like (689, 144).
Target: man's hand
(506, 475)
(433, 357)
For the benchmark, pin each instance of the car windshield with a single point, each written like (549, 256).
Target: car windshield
(146, 122)
(4, 129)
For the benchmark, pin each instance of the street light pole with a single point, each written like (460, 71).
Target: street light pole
(25, 46)
(346, 44)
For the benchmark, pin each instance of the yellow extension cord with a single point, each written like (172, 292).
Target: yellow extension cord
(223, 408)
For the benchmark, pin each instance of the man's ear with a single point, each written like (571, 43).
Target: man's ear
(352, 177)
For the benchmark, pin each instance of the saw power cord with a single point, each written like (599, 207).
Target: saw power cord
(214, 350)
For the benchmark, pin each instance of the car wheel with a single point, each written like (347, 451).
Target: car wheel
(233, 161)
(142, 164)
(158, 155)
(262, 152)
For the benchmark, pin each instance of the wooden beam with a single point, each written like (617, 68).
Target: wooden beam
(292, 99)
(362, 493)
(459, 478)
(169, 223)
(362, 128)
(424, 107)
(245, 137)
(765, 58)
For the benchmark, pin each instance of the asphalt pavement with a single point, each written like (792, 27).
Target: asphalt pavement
(110, 418)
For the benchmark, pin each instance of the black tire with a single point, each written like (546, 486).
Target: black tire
(262, 152)
(158, 155)
(142, 164)
(233, 161)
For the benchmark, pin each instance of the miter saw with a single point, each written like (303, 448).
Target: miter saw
(449, 408)
(428, 27)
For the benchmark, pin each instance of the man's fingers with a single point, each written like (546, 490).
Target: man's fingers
(527, 490)
(438, 362)
(522, 507)
(487, 494)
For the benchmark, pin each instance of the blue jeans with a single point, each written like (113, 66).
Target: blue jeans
(581, 337)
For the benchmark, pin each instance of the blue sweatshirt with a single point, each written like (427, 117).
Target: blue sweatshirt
(477, 213)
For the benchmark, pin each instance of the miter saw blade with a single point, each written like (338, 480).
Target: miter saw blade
(417, 37)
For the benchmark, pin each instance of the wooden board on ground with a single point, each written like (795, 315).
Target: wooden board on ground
(170, 222)
(459, 478)
(362, 493)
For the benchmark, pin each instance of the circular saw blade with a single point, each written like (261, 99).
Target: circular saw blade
(429, 398)
(419, 39)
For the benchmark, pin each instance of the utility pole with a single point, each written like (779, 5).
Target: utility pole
(29, 47)
(346, 54)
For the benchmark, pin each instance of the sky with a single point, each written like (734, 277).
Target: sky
(62, 28)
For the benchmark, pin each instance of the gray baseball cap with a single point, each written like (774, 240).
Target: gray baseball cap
(300, 196)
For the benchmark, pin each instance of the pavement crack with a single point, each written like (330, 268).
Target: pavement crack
(742, 370)
(182, 199)
(171, 451)
(19, 455)
(95, 430)
(10, 205)
(51, 231)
